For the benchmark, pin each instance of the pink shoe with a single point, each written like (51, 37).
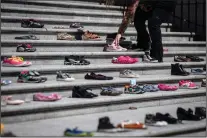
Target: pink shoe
(135, 59)
(187, 85)
(122, 49)
(122, 60)
(164, 87)
(44, 98)
(15, 62)
(8, 100)
(165, 49)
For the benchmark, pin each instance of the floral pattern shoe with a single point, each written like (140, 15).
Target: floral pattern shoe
(65, 36)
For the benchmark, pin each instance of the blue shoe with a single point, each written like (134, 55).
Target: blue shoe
(198, 72)
(150, 88)
(5, 82)
(77, 133)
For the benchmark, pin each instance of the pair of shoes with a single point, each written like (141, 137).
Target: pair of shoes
(27, 37)
(164, 87)
(113, 48)
(64, 77)
(45, 98)
(81, 92)
(93, 76)
(151, 120)
(5, 82)
(177, 69)
(198, 72)
(183, 114)
(128, 74)
(65, 36)
(25, 48)
(185, 84)
(203, 84)
(128, 124)
(30, 77)
(128, 89)
(110, 91)
(31, 23)
(15, 62)
(124, 60)
(7, 100)
(105, 125)
(147, 59)
(76, 60)
(77, 133)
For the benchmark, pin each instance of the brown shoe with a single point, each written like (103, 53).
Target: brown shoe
(90, 36)
(65, 36)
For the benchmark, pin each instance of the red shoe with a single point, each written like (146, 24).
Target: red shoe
(15, 62)
(122, 60)
(187, 85)
(164, 87)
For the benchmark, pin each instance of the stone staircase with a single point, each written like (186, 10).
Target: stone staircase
(50, 54)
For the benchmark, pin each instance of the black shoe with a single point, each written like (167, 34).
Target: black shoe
(195, 58)
(76, 60)
(80, 92)
(182, 114)
(104, 123)
(166, 117)
(200, 111)
(25, 48)
(93, 76)
(31, 23)
(177, 69)
(204, 68)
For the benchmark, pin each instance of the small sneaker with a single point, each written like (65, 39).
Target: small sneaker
(131, 125)
(44, 98)
(5, 82)
(203, 83)
(128, 74)
(30, 77)
(76, 25)
(151, 120)
(77, 133)
(111, 48)
(65, 36)
(198, 72)
(31, 23)
(148, 59)
(64, 77)
(15, 62)
(25, 48)
(90, 36)
(110, 91)
(187, 85)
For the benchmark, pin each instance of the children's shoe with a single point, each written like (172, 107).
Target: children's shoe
(45, 98)
(15, 62)
(65, 36)
(31, 23)
(25, 48)
(5, 82)
(77, 133)
(128, 74)
(187, 85)
(76, 25)
(151, 120)
(198, 72)
(30, 77)
(64, 77)
(9, 101)
(123, 60)
(164, 87)
(203, 83)
(110, 91)
(131, 125)
(90, 36)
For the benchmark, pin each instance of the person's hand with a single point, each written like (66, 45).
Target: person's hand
(117, 39)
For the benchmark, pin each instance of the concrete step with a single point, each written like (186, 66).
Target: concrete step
(51, 34)
(53, 85)
(14, 21)
(73, 106)
(69, 14)
(57, 58)
(91, 46)
(61, 4)
(56, 127)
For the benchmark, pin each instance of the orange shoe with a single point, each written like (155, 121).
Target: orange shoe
(131, 125)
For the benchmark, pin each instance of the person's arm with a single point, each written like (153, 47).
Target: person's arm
(128, 17)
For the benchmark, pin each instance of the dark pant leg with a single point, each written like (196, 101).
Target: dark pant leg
(143, 38)
(154, 24)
